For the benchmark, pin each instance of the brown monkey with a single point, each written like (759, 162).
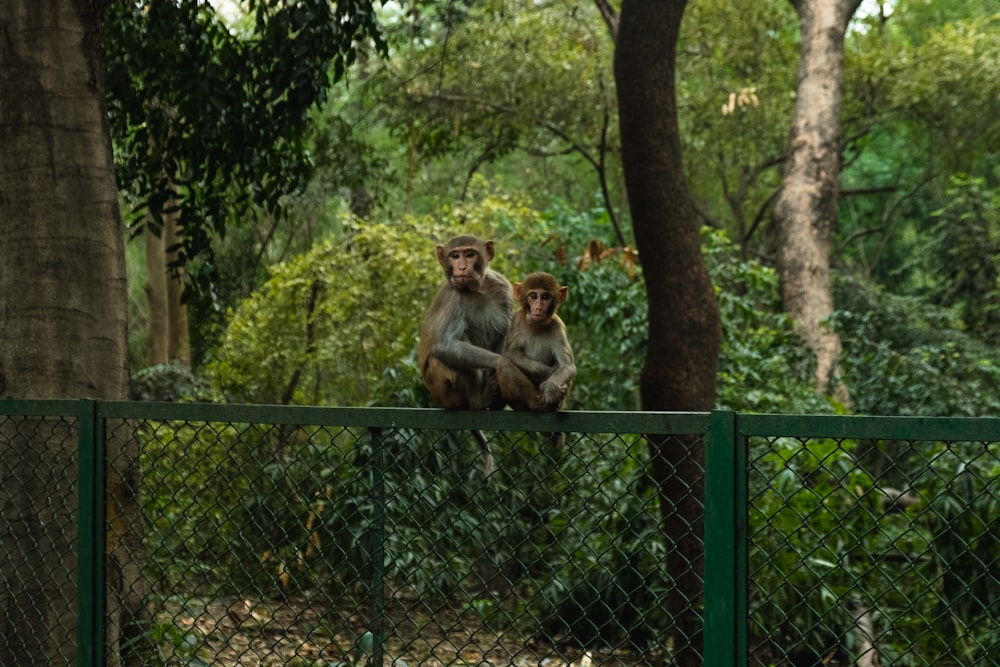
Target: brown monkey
(537, 367)
(463, 331)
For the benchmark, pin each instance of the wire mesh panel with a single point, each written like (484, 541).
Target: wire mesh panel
(310, 544)
(874, 551)
(38, 496)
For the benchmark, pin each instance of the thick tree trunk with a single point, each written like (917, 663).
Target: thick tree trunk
(63, 329)
(684, 321)
(805, 212)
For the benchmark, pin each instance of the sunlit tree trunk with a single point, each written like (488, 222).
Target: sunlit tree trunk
(684, 321)
(63, 324)
(805, 213)
(167, 336)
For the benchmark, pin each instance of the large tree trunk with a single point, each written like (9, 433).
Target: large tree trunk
(805, 213)
(63, 324)
(684, 321)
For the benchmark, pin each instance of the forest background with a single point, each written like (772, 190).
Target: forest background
(500, 118)
(294, 166)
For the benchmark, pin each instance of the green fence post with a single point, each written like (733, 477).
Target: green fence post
(741, 590)
(90, 539)
(378, 545)
(724, 573)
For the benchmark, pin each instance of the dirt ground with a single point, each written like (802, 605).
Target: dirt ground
(243, 632)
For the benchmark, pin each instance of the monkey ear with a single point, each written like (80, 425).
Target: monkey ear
(440, 253)
(563, 293)
(489, 251)
(517, 291)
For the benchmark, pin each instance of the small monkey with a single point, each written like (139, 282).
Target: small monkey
(463, 331)
(536, 368)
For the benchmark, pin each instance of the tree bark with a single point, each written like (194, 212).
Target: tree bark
(684, 321)
(157, 339)
(805, 213)
(179, 348)
(167, 336)
(63, 326)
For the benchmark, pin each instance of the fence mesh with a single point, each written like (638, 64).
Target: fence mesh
(299, 543)
(874, 552)
(276, 545)
(38, 472)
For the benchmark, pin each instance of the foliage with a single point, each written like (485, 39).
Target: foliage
(327, 323)
(214, 118)
(298, 338)
(904, 356)
(332, 326)
(521, 92)
(198, 477)
(827, 534)
(373, 286)
(736, 68)
(764, 366)
(963, 247)
(169, 382)
(953, 89)
(918, 89)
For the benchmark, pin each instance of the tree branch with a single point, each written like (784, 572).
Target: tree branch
(610, 18)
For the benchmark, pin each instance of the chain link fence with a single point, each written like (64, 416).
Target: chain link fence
(874, 544)
(309, 536)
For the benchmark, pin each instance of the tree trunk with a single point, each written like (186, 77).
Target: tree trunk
(167, 338)
(684, 321)
(157, 340)
(805, 213)
(63, 329)
(179, 349)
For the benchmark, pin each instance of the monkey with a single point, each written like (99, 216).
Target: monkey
(463, 331)
(536, 367)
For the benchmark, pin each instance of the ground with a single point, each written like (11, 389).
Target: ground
(300, 631)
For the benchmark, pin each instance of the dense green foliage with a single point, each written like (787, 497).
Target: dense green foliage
(211, 121)
(857, 550)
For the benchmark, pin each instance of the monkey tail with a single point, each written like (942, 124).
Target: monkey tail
(484, 444)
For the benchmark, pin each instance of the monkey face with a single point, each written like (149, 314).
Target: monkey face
(465, 260)
(464, 268)
(539, 305)
(540, 294)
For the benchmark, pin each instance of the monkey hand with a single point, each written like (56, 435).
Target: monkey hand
(552, 393)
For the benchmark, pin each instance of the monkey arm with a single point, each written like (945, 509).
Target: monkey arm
(562, 375)
(536, 371)
(557, 384)
(463, 354)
